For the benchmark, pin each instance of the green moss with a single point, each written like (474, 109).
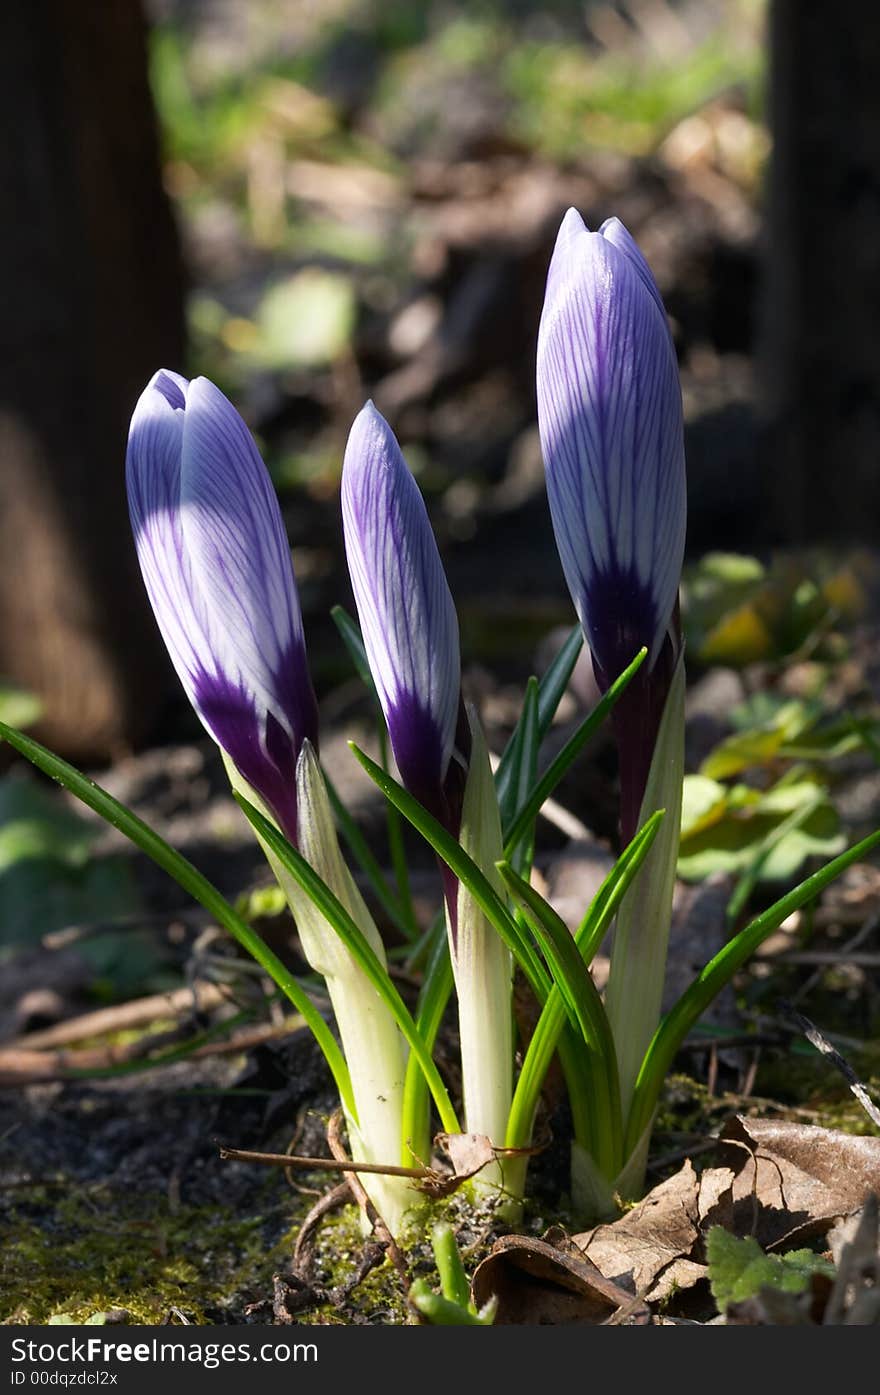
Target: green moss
(97, 1249)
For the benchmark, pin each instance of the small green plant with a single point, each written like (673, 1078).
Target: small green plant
(739, 1268)
(452, 1306)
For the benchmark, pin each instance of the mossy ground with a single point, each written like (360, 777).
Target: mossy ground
(93, 1248)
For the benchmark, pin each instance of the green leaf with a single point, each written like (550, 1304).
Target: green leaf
(586, 1013)
(764, 853)
(524, 770)
(754, 827)
(550, 691)
(405, 916)
(360, 850)
(353, 641)
(192, 881)
(714, 976)
(588, 937)
(466, 870)
(528, 811)
(741, 752)
(739, 1268)
(356, 943)
(703, 803)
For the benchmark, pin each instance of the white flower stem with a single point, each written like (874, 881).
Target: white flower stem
(641, 936)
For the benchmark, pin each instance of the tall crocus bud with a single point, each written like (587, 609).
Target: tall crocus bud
(217, 566)
(410, 634)
(216, 563)
(407, 614)
(610, 417)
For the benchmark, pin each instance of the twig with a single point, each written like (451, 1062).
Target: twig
(38, 1067)
(821, 1043)
(555, 813)
(121, 1017)
(334, 1164)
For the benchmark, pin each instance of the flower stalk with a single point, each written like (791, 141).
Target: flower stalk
(410, 632)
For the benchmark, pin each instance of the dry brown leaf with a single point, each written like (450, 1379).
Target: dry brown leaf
(541, 1283)
(793, 1181)
(469, 1153)
(658, 1244)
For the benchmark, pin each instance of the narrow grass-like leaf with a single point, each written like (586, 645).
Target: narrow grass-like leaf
(466, 871)
(198, 886)
(528, 810)
(550, 691)
(356, 943)
(524, 772)
(368, 864)
(581, 999)
(603, 907)
(353, 641)
(749, 878)
(714, 976)
(351, 638)
(436, 990)
(590, 933)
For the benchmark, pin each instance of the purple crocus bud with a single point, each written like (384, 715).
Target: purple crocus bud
(216, 563)
(406, 612)
(610, 418)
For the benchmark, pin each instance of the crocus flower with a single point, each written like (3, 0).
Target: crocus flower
(610, 418)
(406, 612)
(410, 634)
(216, 563)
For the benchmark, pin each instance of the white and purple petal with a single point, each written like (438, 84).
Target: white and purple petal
(407, 615)
(217, 568)
(609, 411)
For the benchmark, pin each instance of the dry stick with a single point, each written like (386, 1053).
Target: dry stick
(821, 1043)
(337, 1148)
(33, 1067)
(121, 1017)
(555, 813)
(338, 1163)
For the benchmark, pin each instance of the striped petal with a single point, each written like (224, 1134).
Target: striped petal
(609, 411)
(217, 567)
(407, 615)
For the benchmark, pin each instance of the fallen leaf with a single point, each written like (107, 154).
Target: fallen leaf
(540, 1283)
(793, 1181)
(657, 1246)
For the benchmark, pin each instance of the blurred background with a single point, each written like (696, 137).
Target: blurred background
(316, 202)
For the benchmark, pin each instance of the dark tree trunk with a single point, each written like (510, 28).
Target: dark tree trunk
(92, 296)
(821, 349)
